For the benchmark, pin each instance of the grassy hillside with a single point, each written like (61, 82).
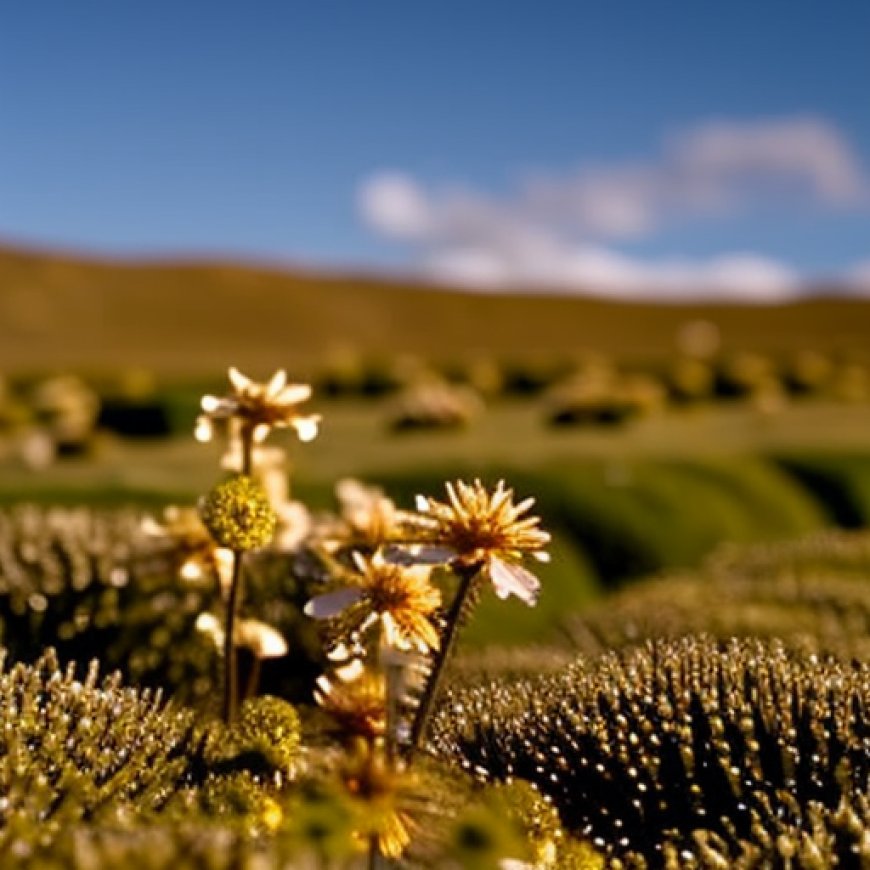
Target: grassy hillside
(193, 318)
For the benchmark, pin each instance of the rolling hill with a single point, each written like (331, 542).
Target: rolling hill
(190, 318)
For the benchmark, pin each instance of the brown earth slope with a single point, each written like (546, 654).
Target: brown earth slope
(193, 317)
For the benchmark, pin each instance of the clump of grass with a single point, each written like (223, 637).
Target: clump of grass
(642, 751)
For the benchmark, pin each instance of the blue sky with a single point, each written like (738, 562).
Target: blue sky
(491, 143)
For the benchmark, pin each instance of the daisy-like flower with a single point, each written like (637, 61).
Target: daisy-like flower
(259, 407)
(359, 707)
(388, 800)
(367, 519)
(478, 528)
(193, 550)
(399, 599)
(263, 641)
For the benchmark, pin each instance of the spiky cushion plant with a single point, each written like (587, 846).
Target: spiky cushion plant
(811, 594)
(87, 583)
(74, 752)
(641, 751)
(90, 584)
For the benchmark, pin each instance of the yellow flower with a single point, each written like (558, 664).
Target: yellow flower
(476, 528)
(259, 407)
(359, 706)
(192, 548)
(386, 799)
(367, 519)
(401, 600)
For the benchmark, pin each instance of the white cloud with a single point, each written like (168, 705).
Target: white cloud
(857, 278)
(603, 271)
(392, 204)
(548, 234)
(805, 152)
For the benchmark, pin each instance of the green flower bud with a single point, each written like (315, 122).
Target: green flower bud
(238, 514)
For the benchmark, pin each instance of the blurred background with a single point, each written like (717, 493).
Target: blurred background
(619, 254)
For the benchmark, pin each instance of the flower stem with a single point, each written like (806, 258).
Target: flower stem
(231, 665)
(466, 574)
(247, 437)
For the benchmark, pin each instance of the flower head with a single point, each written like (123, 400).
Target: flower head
(260, 407)
(238, 515)
(263, 641)
(194, 551)
(359, 706)
(399, 599)
(386, 799)
(367, 519)
(486, 529)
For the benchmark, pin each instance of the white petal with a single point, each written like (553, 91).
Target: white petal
(332, 603)
(369, 621)
(149, 526)
(339, 652)
(265, 641)
(499, 497)
(509, 579)
(293, 394)
(276, 383)
(391, 631)
(306, 427)
(422, 504)
(541, 556)
(191, 571)
(209, 625)
(239, 381)
(207, 622)
(348, 673)
(323, 690)
(210, 404)
(260, 433)
(203, 430)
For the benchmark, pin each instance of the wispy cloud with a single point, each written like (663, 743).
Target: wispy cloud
(857, 279)
(552, 231)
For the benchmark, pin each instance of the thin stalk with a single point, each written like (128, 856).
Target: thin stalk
(231, 665)
(392, 675)
(253, 682)
(247, 436)
(448, 641)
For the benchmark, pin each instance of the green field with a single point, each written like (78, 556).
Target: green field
(621, 503)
